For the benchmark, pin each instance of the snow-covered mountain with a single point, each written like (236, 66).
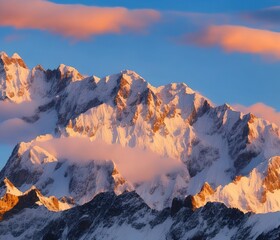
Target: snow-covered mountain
(120, 134)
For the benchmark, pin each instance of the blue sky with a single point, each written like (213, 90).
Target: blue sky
(157, 52)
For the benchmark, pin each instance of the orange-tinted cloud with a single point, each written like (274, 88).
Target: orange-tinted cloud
(261, 110)
(75, 21)
(239, 39)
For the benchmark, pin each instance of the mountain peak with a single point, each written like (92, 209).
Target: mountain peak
(12, 203)
(10, 187)
(130, 73)
(3, 54)
(69, 72)
(16, 56)
(39, 67)
(131, 76)
(14, 60)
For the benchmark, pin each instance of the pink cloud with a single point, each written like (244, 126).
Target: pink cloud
(135, 164)
(261, 110)
(75, 21)
(14, 129)
(238, 39)
(11, 110)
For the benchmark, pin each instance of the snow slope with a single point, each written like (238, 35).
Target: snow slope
(257, 192)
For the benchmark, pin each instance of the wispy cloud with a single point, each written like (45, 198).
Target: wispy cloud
(13, 129)
(135, 164)
(75, 21)
(261, 110)
(238, 39)
(9, 110)
(16, 130)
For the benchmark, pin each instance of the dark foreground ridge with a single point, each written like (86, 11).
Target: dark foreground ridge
(126, 216)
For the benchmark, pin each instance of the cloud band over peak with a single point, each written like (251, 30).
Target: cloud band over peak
(75, 21)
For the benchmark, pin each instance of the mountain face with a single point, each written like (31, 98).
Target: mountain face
(119, 144)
